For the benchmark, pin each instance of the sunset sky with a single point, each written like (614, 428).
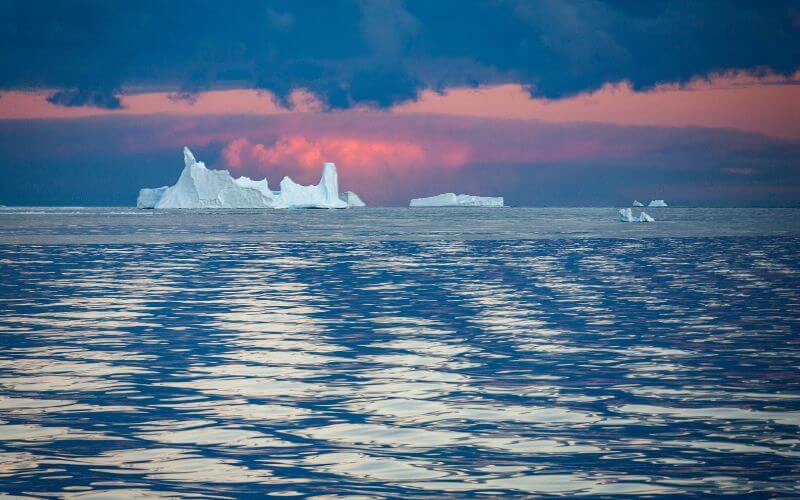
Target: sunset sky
(542, 102)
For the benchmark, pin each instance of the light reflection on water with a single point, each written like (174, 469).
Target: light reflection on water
(552, 367)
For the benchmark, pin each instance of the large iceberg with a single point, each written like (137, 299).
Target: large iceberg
(201, 187)
(626, 215)
(453, 200)
(657, 203)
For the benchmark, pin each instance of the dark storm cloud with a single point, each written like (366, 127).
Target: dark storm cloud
(379, 52)
(83, 97)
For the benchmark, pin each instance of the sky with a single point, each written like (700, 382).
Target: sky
(560, 102)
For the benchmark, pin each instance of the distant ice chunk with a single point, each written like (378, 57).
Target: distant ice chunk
(453, 200)
(657, 203)
(200, 187)
(626, 215)
(352, 199)
(643, 217)
(637, 203)
(148, 198)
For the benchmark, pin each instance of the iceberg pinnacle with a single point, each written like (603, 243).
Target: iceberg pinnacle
(453, 200)
(201, 187)
(188, 157)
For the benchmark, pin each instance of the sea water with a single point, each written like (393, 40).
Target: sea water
(399, 353)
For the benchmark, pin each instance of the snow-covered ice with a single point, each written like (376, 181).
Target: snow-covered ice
(201, 187)
(637, 203)
(626, 215)
(453, 200)
(657, 203)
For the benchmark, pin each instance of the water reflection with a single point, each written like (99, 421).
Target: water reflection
(401, 369)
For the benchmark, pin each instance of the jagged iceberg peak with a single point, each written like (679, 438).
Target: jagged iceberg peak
(200, 187)
(454, 200)
(188, 157)
(637, 203)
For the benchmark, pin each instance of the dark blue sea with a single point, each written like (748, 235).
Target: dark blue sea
(399, 353)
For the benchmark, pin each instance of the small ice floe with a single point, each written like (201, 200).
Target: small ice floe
(637, 203)
(643, 217)
(657, 203)
(626, 215)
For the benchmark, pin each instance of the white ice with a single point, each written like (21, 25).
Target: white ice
(643, 217)
(323, 195)
(352, 199)
(149, 197)
(626, 215)
(637, 203)
(453, 200)
(657, 203)
(201, 187)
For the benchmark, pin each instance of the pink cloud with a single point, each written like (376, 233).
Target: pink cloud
(369, 165)
(297, 150)
(763, 104)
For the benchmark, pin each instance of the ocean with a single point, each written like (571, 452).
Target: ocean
(399, 353)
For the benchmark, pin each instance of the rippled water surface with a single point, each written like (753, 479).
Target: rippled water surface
(618, 363)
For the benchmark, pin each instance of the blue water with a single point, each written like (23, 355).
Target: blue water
(634, 363)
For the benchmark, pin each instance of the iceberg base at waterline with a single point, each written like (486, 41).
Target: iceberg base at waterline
(201, 187)
(626, 215)
(453, 200)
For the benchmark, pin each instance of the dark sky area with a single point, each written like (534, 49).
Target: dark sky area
(543, 102)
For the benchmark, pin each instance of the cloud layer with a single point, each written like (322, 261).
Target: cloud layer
(298, 151)
(382, 52)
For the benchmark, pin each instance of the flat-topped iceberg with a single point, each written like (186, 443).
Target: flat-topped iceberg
(453, 200)
(626, 215)
(637, 203)
(657, 203)
(201, 187)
